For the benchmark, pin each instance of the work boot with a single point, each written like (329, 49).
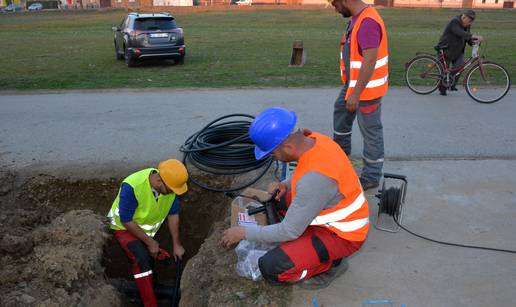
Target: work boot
(323, 280)
(367, 185)
(442, 90)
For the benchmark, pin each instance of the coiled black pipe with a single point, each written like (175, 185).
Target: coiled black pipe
(223, 147)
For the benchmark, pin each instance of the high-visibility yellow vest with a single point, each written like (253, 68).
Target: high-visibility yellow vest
(149, 214)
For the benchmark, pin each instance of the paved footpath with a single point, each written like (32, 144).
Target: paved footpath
(459, 157)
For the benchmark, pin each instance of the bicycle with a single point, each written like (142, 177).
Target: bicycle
(485, 81)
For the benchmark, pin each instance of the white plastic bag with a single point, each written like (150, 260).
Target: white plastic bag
(248, 254)
(474, 50)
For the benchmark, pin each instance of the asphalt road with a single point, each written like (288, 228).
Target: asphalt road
(149, 125)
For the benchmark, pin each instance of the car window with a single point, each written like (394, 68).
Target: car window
(161, 23)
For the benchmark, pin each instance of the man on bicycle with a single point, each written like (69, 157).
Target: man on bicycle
(453, 42)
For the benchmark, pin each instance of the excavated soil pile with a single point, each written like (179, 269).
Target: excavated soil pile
(50, 258)
(210, 279)
(57, 264)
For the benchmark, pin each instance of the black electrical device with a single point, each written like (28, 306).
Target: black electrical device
(391, 202)
(270, 207)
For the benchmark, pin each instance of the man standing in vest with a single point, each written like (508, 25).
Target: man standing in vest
(364, 73)
(327, 217)
(145, 199)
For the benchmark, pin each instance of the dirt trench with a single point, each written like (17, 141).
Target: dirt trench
(56, 248)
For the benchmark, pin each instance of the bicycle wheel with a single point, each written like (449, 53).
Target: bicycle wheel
(423, 74)
(487, 84)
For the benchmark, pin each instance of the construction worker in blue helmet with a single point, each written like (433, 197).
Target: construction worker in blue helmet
(326, 217)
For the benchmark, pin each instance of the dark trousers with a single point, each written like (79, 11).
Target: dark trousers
(369, 120)
(455, 63)
(141, 265)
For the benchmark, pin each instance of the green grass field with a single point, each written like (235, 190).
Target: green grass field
(235, 48)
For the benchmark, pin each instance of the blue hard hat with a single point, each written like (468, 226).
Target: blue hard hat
(271, 128)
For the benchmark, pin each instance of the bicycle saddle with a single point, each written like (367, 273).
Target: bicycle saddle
(441, 47)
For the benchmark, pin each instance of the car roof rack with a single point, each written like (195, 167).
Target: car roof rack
(146, 15)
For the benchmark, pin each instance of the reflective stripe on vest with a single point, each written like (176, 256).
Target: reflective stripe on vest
(371, 83)
(378, 83)
(349, 219)
(111, 215)
(341, 213)
(149, 214)
(342, 64)
(350, 226)
(379, 63)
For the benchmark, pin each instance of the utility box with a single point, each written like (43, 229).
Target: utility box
(239, 216)
(298, 57)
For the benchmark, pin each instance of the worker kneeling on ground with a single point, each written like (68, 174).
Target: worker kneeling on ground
(145, 199)
(327, 218)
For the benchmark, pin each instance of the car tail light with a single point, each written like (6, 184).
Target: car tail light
(135, 33)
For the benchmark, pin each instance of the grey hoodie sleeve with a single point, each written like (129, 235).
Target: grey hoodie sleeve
(314, 192)
(457, 29)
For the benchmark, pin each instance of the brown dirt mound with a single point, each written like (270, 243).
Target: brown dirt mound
(54, 264)
(210, 279)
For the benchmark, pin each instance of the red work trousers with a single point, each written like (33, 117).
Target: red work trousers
(141, 265)
(313, 253)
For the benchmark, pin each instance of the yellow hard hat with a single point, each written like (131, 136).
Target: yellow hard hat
(175, 175)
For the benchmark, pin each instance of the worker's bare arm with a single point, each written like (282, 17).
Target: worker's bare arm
(366, 71)
(173, 227)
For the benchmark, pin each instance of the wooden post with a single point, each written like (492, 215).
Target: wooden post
(298, 57)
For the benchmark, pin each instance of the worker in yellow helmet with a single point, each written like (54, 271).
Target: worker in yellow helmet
(143, 202)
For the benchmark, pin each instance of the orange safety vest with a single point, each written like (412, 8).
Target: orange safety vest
(377, 85)
(349, 219)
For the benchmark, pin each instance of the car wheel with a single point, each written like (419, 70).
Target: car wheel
(128, 61)
(180, 61)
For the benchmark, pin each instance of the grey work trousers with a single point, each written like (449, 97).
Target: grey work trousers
(370, 125)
